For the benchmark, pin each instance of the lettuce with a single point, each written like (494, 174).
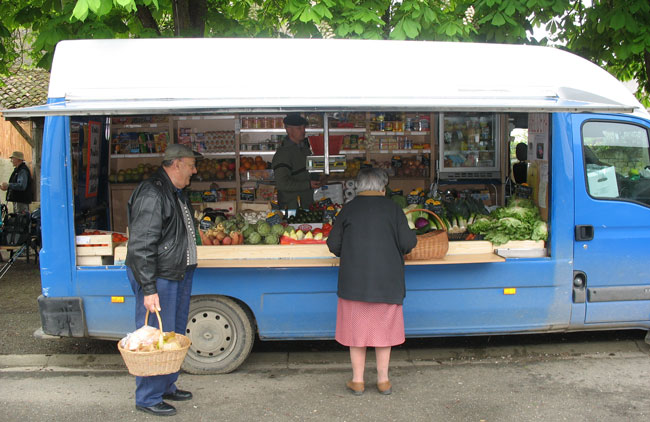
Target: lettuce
(520, 220)
(540, 231)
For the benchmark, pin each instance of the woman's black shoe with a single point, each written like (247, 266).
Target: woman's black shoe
(160, 409)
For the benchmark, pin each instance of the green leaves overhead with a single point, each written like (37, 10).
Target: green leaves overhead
(81, 10)
(614, 34)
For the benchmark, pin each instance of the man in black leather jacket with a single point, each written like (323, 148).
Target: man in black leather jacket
(161, 259)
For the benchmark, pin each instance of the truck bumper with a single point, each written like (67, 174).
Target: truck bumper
(62, 316)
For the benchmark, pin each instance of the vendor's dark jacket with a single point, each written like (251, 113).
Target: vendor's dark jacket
(291, 176)
(371, 236)
(14, 194)
(157, 244)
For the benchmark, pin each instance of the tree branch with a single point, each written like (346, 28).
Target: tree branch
(146, 19)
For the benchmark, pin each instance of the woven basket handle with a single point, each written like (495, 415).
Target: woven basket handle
(160, 327)
(444, 226)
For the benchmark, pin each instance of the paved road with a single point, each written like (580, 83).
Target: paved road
(574, 381)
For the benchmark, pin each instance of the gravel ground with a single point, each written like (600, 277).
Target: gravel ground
(19, 317)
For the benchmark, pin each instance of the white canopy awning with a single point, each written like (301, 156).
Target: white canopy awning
(190, 76)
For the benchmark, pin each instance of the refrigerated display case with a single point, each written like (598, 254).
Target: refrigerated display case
(469, 146)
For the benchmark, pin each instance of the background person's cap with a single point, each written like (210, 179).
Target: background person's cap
(17, 154)
(294, 119)
(175, 151)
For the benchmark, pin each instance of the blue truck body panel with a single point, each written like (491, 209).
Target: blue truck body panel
(295, 303)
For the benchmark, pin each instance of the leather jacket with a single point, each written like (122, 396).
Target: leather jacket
(157, 246)
(16, 192)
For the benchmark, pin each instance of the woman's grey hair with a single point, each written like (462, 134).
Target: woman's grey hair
(371, 179)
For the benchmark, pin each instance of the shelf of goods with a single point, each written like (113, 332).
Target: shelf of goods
(318, 255)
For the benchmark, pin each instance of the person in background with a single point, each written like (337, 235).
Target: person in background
(289, 164)
(520, 168)
(371, 236)
(19, 189)
(161, 259)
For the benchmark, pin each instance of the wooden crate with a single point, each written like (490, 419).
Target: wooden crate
(95, 245)
(94, 260)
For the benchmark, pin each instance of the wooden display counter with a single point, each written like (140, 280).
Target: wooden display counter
(273, 256)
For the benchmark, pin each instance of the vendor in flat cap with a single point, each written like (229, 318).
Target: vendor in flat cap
(292, 179)
(19, 189)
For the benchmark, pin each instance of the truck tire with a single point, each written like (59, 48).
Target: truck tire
(222, 335)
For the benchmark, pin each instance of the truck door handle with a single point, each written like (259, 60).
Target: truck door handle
(584, 232)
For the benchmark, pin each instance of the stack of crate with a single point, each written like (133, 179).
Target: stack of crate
(95, 249)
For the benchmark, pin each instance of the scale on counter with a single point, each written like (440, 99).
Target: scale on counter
(316, 163)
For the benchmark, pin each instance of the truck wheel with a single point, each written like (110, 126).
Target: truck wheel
(222, 335)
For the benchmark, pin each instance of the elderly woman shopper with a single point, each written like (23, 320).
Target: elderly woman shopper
(371, 236)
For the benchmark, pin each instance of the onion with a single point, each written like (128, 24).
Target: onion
(421, 222)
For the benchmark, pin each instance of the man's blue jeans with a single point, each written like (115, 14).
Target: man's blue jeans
(175, 305)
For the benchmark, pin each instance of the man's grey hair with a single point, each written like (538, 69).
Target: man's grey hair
(371, 179)
(167, 163)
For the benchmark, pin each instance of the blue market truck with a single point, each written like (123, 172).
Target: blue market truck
(114, 105)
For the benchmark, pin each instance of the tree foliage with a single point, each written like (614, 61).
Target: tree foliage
(613, 33)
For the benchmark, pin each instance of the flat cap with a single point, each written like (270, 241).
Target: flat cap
(294, 119)
(175, 151)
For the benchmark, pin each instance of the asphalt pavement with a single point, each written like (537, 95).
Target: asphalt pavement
(571, 381)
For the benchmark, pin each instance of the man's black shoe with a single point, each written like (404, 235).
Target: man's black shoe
(178, 395)
(160, 409)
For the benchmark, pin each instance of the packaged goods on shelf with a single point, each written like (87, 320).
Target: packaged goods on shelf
(257, 175)
(139, 143)
(265, 192)
(209, 141)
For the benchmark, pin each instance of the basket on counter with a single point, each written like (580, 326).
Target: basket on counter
(431, 245)
(157, 362)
